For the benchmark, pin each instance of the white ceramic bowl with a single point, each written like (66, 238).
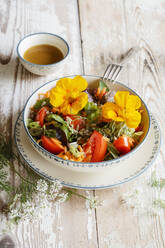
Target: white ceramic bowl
(38, 39)
(81, 166)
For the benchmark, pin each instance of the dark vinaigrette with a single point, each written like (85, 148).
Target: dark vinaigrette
(43, 54)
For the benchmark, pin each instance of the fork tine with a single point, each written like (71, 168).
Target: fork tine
(107, 69)
(112, 71)
(118, 69)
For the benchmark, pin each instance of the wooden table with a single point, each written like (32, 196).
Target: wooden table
(98, 32)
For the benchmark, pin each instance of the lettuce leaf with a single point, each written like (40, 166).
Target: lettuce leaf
(92, 111)
(114, 129)
(73, 148)
(112, 152)
(34, 128)
(55, 117)
(42, 102)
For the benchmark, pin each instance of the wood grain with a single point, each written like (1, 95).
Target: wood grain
(18, 19)
(108, 31)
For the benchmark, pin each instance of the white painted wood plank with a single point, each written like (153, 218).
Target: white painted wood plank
(109, 29)
(67, 225)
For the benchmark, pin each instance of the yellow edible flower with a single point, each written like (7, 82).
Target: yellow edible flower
(68, 97)
(124, 109)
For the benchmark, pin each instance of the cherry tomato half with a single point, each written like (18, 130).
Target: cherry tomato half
(96, 148)
(41, 115)
(77, 122)
(52, 145)
(122, 144)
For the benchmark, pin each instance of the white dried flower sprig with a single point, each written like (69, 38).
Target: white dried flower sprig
(42, 185)
(54, 189)
(133, 199)
(156, 181)
(141, 202)
(32, 194)
(44, 193)
(94, 202)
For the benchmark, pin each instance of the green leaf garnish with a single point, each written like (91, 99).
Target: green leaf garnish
(103, 85)
(55, 117)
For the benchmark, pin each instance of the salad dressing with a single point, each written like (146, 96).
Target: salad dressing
(43, 54)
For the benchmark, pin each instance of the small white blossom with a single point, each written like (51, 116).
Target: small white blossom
(54, 190)
(94, 202)
(41, 200)
(52, 195)
(14, 213)
(56, 186)
(62, 197)
(28, 210)
(42, 185)
(134, 199)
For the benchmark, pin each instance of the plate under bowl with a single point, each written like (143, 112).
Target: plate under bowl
(109, 177)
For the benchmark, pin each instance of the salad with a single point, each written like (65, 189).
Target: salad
(86, 125)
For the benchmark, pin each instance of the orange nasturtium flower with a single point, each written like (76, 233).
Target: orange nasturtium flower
(125, 108)
(68, 96)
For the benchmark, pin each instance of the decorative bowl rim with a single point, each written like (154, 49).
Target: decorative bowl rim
(32, 34)
(85, 164)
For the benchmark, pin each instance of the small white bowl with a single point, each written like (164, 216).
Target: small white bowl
(83, 166)
(38, 39)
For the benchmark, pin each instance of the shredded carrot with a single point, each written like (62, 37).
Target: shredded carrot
(47, 94)
(87, 158)
(68, 156)
(65, 149)
(105, 138)
(55, 110)
(102, 93)
(38, 141)
(80, 148)
(98, 92)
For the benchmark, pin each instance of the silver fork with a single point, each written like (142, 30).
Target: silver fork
(111, 72)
